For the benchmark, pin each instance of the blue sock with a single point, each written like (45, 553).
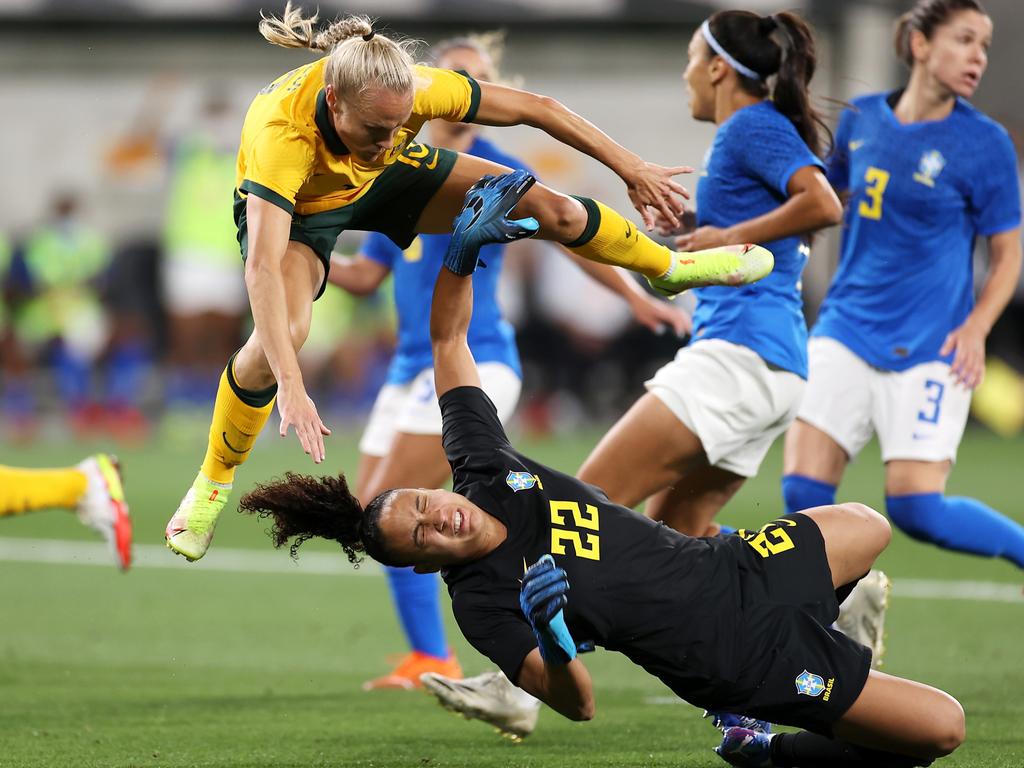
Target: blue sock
(419, 609)
(799, 492)
(958, 523)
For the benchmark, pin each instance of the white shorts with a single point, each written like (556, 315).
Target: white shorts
(731, 399)
(192, 286)
(413, 408)
(919, 414)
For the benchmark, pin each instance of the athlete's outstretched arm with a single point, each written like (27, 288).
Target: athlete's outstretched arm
(811, 204)
(650, 186)
(968, 341)
(450, 311)
(566, 688)
(483, 219)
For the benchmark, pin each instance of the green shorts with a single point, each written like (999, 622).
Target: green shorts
(392, 206)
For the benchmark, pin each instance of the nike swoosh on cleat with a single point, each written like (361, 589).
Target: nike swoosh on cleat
(224, 437)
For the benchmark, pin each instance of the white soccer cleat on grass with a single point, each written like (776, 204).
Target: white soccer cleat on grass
(490, 697)
(103, 507)
(862, 614)
(190, 531)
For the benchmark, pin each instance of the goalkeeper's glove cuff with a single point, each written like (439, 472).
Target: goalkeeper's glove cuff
(556, 644)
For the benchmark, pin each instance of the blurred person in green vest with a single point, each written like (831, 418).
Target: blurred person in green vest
(62, 317)
(202, 282)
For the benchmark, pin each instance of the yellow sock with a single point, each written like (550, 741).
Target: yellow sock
(24, 490)
(238, 417)
(611, 239)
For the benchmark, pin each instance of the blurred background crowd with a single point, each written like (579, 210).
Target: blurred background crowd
(121, 126)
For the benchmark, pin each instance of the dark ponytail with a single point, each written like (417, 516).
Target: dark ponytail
(779, 46)
(303, 507)
(924, 17)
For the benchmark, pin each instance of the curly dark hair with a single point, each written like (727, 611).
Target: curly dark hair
(304, 507)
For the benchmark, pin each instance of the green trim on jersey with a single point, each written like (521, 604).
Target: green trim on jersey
(266, 193)
(391, 206)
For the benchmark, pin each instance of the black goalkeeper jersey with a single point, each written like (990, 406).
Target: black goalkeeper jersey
(669, 602)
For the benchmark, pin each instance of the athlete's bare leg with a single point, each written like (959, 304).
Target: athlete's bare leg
(561, 218)
(854, 535)
(413, 461)
(646, 451)
(812, 453)
(303, 274)
(903, 477)
(690, 505)
(903, 716)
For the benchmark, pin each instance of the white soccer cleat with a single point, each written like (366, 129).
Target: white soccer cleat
(103, 507)
(490, 697)
(862, 614)
(190, 531)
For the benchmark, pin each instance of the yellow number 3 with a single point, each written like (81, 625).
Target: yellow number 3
(877, 181)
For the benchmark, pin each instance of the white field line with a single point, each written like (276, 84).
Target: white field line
(225, 560)
(221, 559)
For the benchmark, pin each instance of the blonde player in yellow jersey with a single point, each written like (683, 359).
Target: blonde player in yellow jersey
(329, 147)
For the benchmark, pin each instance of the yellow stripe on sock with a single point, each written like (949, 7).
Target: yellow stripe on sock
(25, 490)
(233, 432)
(617, 241)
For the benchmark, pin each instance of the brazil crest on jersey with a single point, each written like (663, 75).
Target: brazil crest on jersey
(919, 195)
(491, 338)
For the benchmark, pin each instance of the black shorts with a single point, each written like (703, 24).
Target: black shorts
(391, 206)
(796, 669)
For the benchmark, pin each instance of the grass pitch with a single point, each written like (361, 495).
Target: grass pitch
(190, 665)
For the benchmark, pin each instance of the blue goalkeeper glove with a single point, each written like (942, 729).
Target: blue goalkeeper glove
(484, 219)
(542, 598)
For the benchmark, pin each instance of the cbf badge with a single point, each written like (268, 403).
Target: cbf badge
(809, 684)
(520, 481)
(929, 168)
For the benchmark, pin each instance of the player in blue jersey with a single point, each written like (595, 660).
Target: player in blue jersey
(401, 445)
(710, 415)
(900, 343)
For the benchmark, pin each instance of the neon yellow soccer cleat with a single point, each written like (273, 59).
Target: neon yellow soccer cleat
(190, 531)
(731, 265)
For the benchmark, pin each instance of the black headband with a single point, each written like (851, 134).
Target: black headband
(368, 36)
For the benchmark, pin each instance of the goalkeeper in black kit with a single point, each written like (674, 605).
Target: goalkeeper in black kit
(540, 565)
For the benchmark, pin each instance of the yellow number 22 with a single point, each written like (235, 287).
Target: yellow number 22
(581, 518)
(877, 180)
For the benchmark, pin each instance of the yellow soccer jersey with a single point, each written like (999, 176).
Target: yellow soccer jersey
(291, 156)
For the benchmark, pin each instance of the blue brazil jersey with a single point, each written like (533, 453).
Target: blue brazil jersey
(415, 270)
(754, 155)
(919, 195)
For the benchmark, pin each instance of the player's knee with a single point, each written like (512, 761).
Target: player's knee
(950, 728)
(873, 526)
(562, 216)
(299, 330)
